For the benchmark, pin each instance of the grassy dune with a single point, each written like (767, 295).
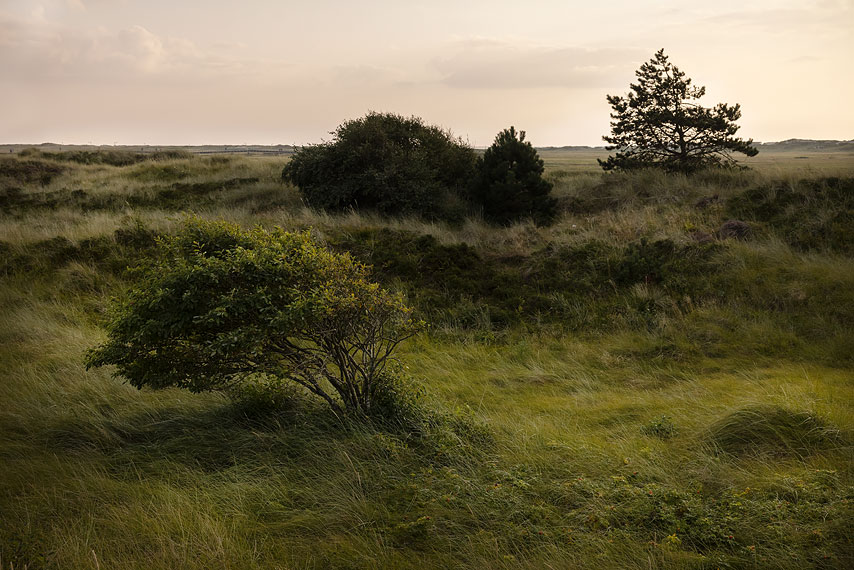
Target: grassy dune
(624, 389)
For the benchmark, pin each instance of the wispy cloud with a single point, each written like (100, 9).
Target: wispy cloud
(498, 64)
(818, 16)
(38, 50)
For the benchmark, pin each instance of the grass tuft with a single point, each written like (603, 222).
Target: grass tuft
(773, 430)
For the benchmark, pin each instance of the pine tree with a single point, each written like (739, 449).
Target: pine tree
(510, 185)
(658, 124)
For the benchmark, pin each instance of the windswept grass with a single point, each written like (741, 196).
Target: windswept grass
(606, 392)
(773, 430)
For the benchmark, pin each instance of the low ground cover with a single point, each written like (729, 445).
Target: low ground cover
(627, 388)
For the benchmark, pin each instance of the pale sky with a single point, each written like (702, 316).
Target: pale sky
(288, 72)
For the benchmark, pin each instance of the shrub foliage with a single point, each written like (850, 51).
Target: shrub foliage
(385, 162)
(510, 185)
(223, 307)
(810, 214)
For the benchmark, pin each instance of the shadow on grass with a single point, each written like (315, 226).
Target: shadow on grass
(210, 439)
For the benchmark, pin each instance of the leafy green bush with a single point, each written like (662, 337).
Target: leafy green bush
(510, 184)
(220, 307)
(385, 162)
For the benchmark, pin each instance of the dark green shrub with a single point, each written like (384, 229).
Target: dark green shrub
(644, 261)
(58, 250)
(183, 195)
(220, 306)
(15, 172)
(204, 188)
(399, 403)
(388, 163)
(578, 286)
(510, 185)
(15, 200)
(441, 280)
(795, 510)
(135, 235)
(581, 268)
(680, 269)
(810, 214)
(413, 533)
(267, 397)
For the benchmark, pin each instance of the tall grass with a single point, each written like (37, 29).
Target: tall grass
(563, 464)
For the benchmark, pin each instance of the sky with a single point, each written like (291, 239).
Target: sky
(191, 72)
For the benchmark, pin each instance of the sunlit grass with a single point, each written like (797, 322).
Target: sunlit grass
(99, 475)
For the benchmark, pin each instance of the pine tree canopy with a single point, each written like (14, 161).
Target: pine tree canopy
(510, 186)
(659, 124)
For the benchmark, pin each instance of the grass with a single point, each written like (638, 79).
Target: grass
(677, 405)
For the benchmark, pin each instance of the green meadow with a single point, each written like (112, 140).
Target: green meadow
(638, 385)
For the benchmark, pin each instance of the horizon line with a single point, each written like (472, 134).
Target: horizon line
(291, 145)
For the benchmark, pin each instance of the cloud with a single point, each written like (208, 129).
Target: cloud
(138, 48)
(40, 50)
(495, 64)
(818, 16)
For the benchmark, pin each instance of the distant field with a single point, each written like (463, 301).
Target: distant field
(839, 164)
(773, 159)
(6, 149)
(832, 163)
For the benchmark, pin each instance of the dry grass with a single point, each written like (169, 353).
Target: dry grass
(97, 474)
